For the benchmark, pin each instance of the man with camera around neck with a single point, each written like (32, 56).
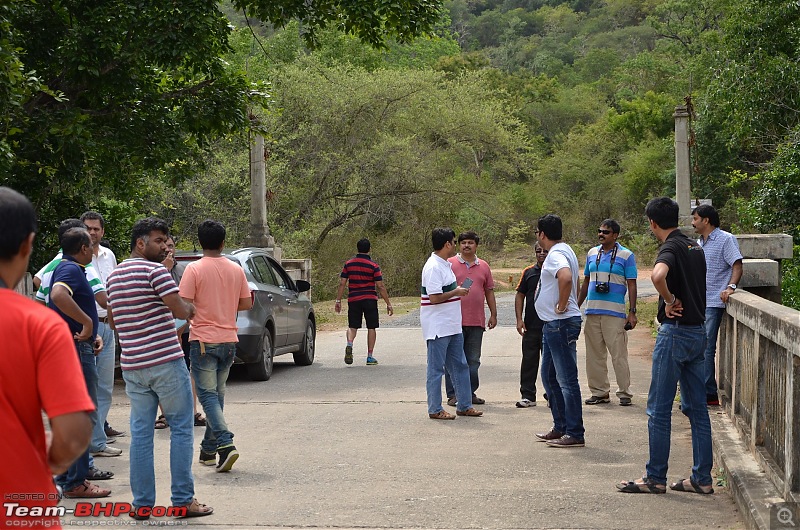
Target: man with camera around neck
(610, 272)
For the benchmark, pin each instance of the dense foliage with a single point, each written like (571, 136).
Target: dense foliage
(503, 111)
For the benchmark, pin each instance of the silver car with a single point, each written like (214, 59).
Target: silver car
(282, 318)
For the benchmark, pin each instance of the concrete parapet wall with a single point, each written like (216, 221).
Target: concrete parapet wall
(760, 273)
(768, 246)
(759, 380)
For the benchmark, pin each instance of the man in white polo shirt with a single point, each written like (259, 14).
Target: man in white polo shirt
(440, 316)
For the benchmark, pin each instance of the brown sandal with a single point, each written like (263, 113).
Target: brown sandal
(442, 415)
(87, 490)
(470, 412)
(161, 422)
(195, 509)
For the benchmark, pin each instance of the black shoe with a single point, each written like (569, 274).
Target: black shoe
(111, 431)
(451, 401)
(227, 457)
(596, 400)
(208, 459)
(625, 402)
(566, 441)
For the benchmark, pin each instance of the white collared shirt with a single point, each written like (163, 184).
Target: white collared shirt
(104, 262)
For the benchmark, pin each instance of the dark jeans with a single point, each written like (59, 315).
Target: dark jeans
(473, 338)
(531, 351)
(76, 474)
(560, 375)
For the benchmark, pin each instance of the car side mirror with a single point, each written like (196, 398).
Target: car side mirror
(302, 286)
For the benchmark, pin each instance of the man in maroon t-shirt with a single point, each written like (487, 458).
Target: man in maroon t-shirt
(364, 276)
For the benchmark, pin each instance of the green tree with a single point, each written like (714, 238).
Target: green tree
(95, 97)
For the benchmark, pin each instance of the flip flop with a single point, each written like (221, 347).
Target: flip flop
(647, 485)
(693, 487)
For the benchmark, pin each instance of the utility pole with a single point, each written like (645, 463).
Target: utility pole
(682, 166)
(259, 231)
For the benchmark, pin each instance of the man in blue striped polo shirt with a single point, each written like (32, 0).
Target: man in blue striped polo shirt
(610, 272)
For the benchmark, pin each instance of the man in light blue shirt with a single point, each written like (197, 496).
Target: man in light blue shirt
(609, 274)
(723, 272)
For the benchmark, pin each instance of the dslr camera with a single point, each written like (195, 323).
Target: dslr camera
(601, 287)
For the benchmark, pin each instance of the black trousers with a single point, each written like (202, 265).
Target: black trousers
(529, 370)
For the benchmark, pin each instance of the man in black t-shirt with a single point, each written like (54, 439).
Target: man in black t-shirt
(679, 276)
(530, 328)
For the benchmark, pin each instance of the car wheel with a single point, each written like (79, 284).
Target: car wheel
(305, 356)
(262, 369)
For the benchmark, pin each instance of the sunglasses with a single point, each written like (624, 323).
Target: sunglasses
(604, 232)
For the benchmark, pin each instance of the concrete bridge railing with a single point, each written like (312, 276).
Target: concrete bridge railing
(759, 379)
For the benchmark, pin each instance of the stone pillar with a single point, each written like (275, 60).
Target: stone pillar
(682, 165)
(259, 231)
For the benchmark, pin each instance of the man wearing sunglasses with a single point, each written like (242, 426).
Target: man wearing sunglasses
(610, 272)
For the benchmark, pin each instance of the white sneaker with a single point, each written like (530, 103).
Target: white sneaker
(108, 451)
(525, 403)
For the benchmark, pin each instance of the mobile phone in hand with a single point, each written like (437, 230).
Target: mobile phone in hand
(628, 326)
(467, 283)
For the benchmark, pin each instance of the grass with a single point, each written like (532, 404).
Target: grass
(328, 319)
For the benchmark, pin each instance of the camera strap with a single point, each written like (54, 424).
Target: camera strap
(611, 263)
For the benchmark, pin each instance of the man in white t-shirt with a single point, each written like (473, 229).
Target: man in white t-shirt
(556, 304)
(440, 316)
(104, 262)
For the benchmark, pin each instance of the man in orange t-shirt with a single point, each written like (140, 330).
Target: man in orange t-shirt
(39, 370)
(218, 289)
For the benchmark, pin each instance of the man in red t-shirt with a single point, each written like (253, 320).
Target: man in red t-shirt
(39, 370)
(476, 272)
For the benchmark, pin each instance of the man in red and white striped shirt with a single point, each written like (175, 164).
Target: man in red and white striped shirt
(143, 303)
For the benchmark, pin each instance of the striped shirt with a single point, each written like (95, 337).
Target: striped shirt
(144, 323)
(444, 319)
(45, 274)
(616, 275)
(722, 251)
(361, 274)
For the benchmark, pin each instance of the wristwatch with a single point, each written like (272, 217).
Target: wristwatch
(633, 310)
(732, 286)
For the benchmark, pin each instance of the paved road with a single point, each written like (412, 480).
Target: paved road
(336, 446)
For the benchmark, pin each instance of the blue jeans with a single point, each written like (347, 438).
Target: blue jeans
(560, 374)
(678, 356)
(105, 386)
(168, 384)
(447, 353)
(76, 473)
(473, 338)
(713, 320)
(210, 373)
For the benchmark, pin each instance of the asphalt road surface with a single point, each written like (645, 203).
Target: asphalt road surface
(337, 446)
